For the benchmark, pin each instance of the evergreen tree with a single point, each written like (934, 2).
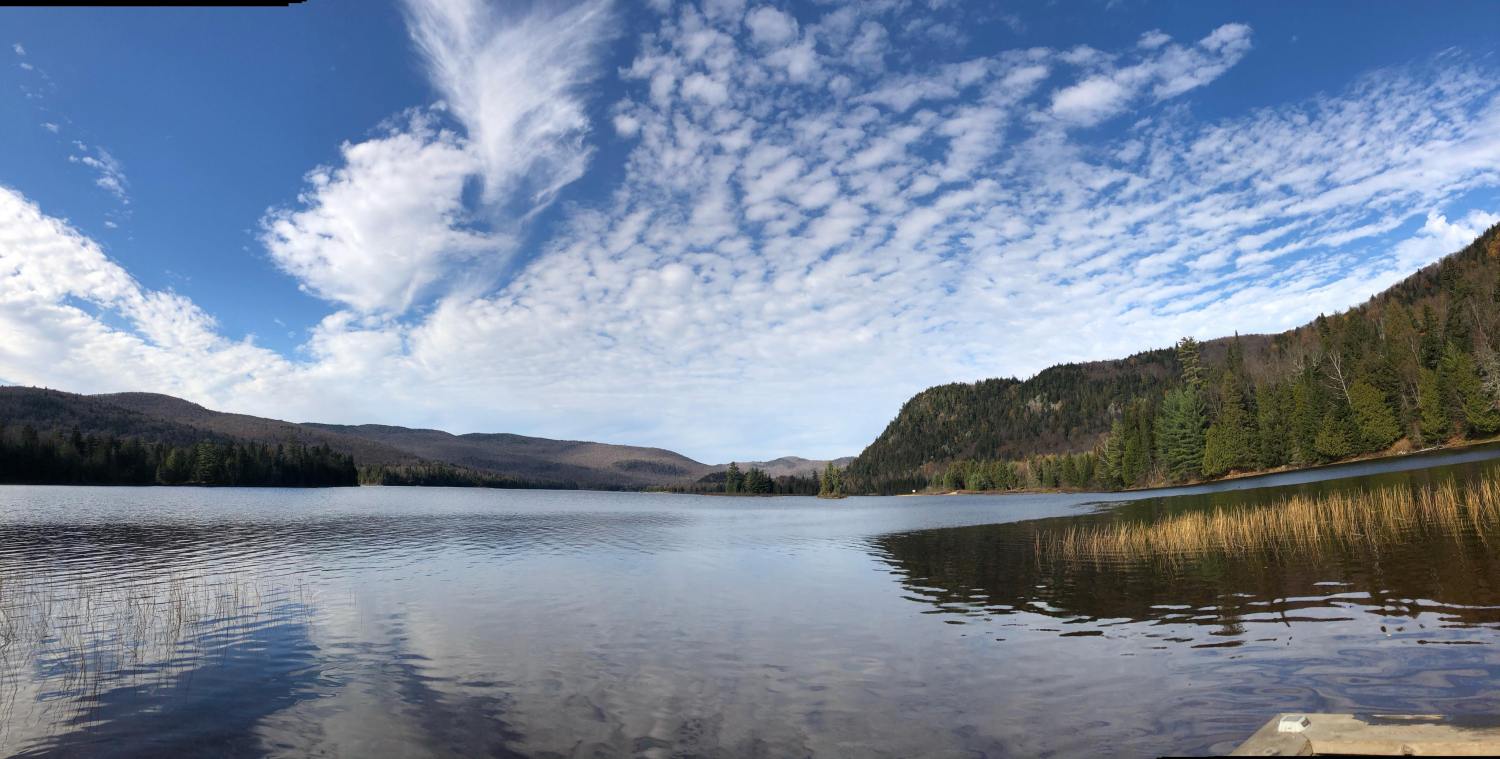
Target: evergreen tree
(831, 484)
(1230, 442)
(1114, 454)
(756, 482)
(206, 460)
(1432, 338)
(734, 479)
(1473, 403)
(1068, 471)
(1135, 455)
(1272, 417)
(1305, 421)
(1373, 418)
(1190, 363)
(1180, 433)
(1333, 440)
(1433, 416)
(177, 468)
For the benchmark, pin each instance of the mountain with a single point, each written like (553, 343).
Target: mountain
(788, 466)
(532, 458)
(187, 415)
(152, 417)
(1414, 365)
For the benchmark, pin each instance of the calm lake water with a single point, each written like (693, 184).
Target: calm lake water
(436, 622)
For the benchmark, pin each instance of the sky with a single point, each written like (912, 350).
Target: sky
(734, 229)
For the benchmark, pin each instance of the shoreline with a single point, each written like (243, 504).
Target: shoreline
(1236, 476)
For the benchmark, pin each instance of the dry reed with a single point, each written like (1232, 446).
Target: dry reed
(1296, 523)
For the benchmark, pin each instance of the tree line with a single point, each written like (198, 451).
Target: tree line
(30, 457)
(752, 481)
(431, 474)
(1414, 367)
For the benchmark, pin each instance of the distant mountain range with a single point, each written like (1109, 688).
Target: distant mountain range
(153, 417)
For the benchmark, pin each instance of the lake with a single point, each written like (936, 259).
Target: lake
(444, 622)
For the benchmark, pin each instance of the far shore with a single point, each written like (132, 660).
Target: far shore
(1366, 458)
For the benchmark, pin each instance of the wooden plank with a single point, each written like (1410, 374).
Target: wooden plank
(1335, 734)
(1270, 741)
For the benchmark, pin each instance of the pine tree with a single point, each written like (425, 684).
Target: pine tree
(1373, 418)
(734, 480)
(1305, 421)
(1333, 440)
(1190, 363)
(1230, 442)
(1432, 415)
(1180, 433)
(831, 484)
(1068, 471)
(1114, 454)
(1135, 456)
(206, 464)
(1271, 405)
(1432, 338)
(1474, 404)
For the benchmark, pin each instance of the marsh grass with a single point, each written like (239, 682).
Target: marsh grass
(1293, 525)
(65, 637)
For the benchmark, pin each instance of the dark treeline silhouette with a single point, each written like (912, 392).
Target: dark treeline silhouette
(431, 474)
(752, 481)
(30, 457)
(1415, 366)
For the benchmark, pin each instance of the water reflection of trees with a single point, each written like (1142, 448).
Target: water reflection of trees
(1003, 569)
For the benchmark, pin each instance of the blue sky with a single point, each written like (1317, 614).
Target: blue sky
(737, 230)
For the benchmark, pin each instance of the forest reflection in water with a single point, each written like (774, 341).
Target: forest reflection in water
(1396, 546)
(377, 621)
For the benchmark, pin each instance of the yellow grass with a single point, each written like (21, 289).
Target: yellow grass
(1296, 523)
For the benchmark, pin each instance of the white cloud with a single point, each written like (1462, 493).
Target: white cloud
(705, 88)
(1438, 237)
(514, 83)
(1090, 100)
(51, 127)
(1168, 70)
(53, 281)
(771, 27)
(378, 231)
(110, 173)
(1154, 39)
(21, 51)
(778, 251)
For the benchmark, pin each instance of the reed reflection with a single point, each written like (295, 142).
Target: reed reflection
(1397, 552)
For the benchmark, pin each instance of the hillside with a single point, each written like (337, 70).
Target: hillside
(1414, 365)
(789, 466)
(586, 463)
(156, 418)
(188, 415)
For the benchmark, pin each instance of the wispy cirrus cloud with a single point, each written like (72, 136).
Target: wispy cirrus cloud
(380, 230)
(109, 173)
(514, 81)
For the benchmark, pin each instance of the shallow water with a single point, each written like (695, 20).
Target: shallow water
(428, 622)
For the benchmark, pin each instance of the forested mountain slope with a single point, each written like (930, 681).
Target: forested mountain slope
(575, 461)
(155, 418)
(176, 411)
(405, 455)
(1415, 365)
